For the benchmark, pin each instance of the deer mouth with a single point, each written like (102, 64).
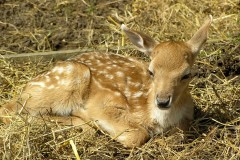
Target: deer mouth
(163, 103)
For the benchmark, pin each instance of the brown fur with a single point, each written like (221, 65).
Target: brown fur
(116, 91)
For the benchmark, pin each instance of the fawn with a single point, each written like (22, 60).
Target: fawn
(128, 98)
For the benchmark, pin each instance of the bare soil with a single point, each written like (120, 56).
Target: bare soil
(27, 26)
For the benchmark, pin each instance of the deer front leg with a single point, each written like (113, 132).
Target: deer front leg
(133, 137)
(129, 136)
(116, 124)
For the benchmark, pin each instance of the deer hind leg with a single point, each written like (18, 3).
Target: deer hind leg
(59, 91)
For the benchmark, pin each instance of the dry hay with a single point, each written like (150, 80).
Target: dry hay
(215, 132)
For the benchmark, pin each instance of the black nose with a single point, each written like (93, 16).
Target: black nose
(163, 103)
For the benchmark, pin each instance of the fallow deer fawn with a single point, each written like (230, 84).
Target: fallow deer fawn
(128, 98)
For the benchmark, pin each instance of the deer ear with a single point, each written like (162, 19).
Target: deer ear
(200, 37)
(143, 42)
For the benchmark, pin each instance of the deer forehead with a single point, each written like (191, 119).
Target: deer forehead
(171, 57)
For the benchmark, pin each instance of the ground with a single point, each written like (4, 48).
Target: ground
(37, 26)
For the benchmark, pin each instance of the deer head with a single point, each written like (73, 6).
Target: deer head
(171, 63)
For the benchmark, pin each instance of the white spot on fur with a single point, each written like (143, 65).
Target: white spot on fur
(117, 93)
(48, 79)
(119, 74)
(108, 67)
(132, 66)
(146, 94)
(91, 57)
(102, 72)
(123, 62)
(137, 94)
(58, 69)
(69, 68)
(89, 64)
(51, 87)
(100, 64)
(63, 82)
(109, 76)
(129, 79)
(137, 84)
(138, 107)
(127, 92)
(131, 59)
(41, 84)
(57, 77)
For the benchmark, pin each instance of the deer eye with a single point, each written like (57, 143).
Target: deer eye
(151, 73)
(187, 76)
